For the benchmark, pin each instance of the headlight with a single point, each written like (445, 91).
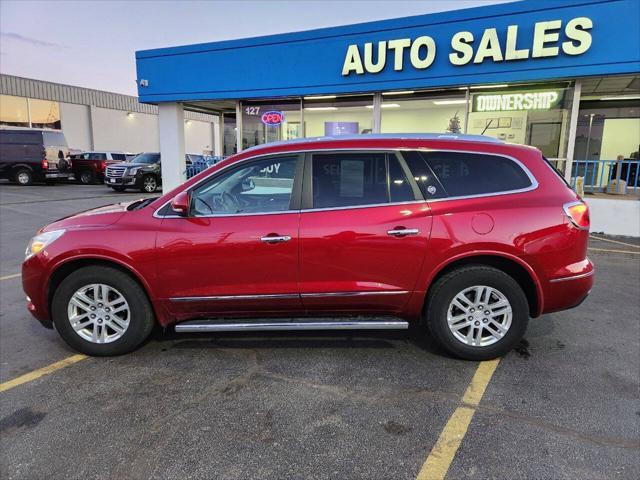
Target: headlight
(39, 242)
(134, 170)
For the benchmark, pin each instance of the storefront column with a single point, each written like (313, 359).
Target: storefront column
(238, 126)
(377, 112)
(171, 123)
(573, 126)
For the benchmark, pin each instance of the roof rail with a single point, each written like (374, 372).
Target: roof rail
(389, 136)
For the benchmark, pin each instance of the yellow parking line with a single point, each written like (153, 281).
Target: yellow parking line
(614, 241)
(8, 277)
(28, 377)
(443, 452)
(613, 251)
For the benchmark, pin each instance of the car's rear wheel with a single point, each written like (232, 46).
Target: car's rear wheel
(23, 176)
(477, 312)
(102, 311)
(86, 177)
(149, 184)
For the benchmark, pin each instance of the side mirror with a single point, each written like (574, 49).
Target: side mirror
(180, 203)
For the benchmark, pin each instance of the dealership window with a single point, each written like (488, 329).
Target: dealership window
(45, 114)
(14, 111)
(420, 112)
(264, 122)
(536, 115)
(609, 119)
(330, 115)
(29, 112)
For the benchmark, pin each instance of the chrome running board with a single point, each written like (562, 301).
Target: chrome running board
(217, 326)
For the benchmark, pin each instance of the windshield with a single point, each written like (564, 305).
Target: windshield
(147, 158)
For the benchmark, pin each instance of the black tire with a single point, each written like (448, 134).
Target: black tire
(446, 288)
(86, 177)
(141, 321)
(23, 177)
(119, 189)
(149, 184)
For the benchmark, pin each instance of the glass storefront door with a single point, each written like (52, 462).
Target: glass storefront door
(265, 121)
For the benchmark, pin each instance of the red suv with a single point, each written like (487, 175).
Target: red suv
(465, 235)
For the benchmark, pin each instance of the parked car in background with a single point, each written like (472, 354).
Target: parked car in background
(143, 172)
(30, 155)
(89, 167)
(464, 235)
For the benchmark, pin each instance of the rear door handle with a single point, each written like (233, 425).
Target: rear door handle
(403, 232)
(275, 238)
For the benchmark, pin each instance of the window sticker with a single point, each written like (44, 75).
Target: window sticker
(351, 178)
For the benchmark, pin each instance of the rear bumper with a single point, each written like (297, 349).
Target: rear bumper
(569, 289)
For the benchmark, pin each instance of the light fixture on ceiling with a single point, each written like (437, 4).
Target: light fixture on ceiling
(450, 102)
(385, 105)
(399, 92)
(319, 109)
(187, 122)
(319, 97)
(622, 97)
(130, 114)
(478, 87)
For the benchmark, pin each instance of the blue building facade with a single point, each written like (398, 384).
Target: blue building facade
(560, 75)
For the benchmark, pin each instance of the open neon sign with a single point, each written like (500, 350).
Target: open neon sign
(272, 118)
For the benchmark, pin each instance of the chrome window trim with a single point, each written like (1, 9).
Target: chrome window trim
(534, 182)
(572, 277)
(283, 296)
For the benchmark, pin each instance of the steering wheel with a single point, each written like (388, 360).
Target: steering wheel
(208, 207)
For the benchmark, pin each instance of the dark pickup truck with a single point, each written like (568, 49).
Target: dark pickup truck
(89, 167)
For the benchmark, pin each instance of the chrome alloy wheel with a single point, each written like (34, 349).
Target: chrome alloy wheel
(23, 178)
(150, 185)
(479, 316)
(99, 313)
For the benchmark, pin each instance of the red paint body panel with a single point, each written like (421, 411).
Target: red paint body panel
(344, 251)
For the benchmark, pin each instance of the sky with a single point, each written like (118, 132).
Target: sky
(93, 43)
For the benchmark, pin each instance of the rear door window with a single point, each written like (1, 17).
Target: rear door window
(429, 185)
(349, 179)
(465, 174)
(97, 156)
(121, 157)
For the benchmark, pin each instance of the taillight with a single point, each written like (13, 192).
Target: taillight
(103, 165)
(578, 213)
(44, 164)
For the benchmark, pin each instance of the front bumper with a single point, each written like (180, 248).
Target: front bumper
(34, 284)
(121, 181)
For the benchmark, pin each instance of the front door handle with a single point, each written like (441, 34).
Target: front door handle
(275, 238)
(403, 232)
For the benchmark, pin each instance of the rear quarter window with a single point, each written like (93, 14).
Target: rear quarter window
(464, 174)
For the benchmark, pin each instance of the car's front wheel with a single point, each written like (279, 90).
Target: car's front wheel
(477, 312)
(149, 184)
(102, 311)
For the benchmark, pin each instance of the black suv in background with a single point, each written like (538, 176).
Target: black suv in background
(30, 155)
(143, 173)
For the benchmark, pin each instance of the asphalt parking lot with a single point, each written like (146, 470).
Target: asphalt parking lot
(375, 405)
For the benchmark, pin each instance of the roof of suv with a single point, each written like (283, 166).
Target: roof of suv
(380, 136)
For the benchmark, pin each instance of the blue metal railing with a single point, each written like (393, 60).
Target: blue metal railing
(196, 167)
(598, 174)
